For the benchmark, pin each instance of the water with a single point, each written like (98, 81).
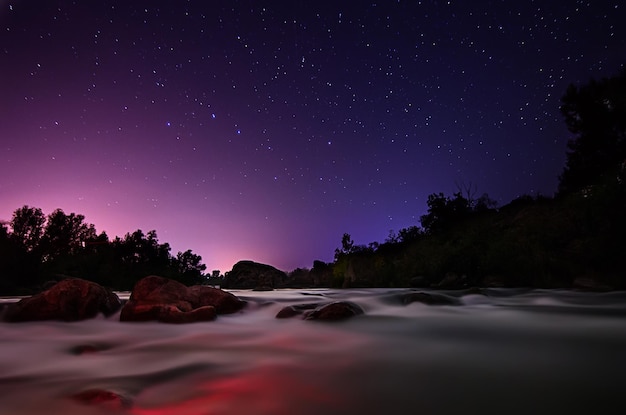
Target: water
(510, 351)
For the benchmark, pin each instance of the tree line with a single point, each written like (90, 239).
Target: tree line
(573, 238)
(36, 249)
(577, 235)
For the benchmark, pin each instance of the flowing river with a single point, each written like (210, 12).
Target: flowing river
(498, 352)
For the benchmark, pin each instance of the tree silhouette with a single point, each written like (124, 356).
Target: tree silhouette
(189, 267)
(443, 212)
(35, 249)
(65, 234)
(596, 114)
(28, 226)
(347, 246)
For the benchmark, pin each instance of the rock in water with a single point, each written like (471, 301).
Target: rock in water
(428, 298)
(160, 299)
(224, 302)
(294, 310)
(339, 310)
(102, 398)
(72, 299)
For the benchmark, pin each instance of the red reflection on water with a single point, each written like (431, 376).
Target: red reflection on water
(261, 391)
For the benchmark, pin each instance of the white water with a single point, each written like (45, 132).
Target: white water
(521, 352)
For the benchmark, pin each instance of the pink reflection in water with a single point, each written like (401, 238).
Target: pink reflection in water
(266, 390)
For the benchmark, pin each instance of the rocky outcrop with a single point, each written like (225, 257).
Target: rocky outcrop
(250, 275)
(71, 299)
(160, 299)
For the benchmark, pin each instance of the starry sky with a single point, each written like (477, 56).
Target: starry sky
(264, 130)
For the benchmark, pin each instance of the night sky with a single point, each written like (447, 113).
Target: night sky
(265, 130)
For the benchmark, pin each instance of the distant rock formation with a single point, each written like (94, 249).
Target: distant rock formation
(250, 275)
(160, 299)
(72, 299)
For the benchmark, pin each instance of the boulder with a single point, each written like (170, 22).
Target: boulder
(294, 310)
(339, 310)
(160, 299)
(72, 299)
(288, 312)
(224, 302)
(249, 275)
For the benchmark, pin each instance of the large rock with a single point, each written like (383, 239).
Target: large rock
(250, 275)
(339, 310)
(224, 302)
(72, 299)
(160, 299)
(295, 310)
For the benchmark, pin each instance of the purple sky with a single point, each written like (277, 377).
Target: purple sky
(265, 130)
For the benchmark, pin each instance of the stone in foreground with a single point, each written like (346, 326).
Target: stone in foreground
(160, 299)
(72, 299)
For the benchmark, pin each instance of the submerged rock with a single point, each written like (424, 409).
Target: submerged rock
(339, 310)
(288, 312)
(72, 299)
(102, 398)
(428, 298)
(85, 349)
(160, 299)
